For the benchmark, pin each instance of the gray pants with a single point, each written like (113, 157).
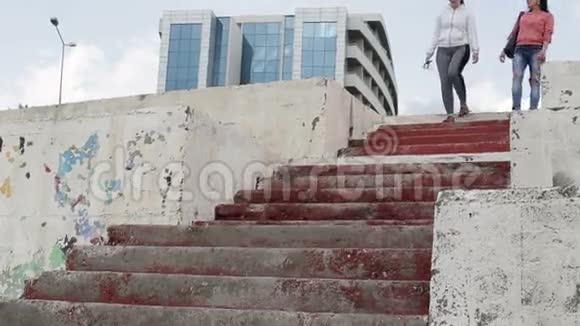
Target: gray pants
(450, 63)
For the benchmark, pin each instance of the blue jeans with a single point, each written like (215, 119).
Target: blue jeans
(526, 56)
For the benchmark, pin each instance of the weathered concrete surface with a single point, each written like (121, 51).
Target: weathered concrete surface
(65, 178)
(423, 149)
(506, 258)
(434, 138)
(437, 118)
(422, 136)
(546, 143)
(545, 148)
(561, 85)
(482, 179)
(68, 172)
(35, 313)
(424, 169)
(322, 212)
(476, 175)
(344, 195)
(290, 294)
(410, 159)
(350, 234)
(379, 264)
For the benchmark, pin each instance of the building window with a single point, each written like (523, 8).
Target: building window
(288, 48)
(222, 33)
(183, 61)
(319, 50)
(261, 52)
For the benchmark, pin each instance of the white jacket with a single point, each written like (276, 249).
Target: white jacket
(455, 27)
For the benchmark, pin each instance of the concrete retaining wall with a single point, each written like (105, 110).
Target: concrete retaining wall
(66, 180)
(506, 258)
(68, 172)
(561, 85)
(545, 148)
(546, 143)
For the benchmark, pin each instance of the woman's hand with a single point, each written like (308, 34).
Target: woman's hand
(502, 56)
(475, 57)
(427, 63)
(542, 56)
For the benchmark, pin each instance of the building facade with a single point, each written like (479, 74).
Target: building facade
(199, 50)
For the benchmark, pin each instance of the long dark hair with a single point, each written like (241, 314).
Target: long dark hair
(544, 5)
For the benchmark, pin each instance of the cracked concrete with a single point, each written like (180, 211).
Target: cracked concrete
(509, 258)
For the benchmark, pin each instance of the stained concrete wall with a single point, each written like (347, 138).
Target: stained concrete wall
(506, 258)
(545, 148)
(68, 172)
(561, 85)
(67, 179)
(546, 144)
(291, 120)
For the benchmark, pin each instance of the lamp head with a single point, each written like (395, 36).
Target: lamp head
(54, 21)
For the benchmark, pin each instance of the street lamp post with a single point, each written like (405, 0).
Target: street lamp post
(54, 21)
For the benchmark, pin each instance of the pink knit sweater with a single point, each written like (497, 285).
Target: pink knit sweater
(536, 28)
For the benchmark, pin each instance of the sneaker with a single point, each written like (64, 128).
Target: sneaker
(449, 119)
(463, 111)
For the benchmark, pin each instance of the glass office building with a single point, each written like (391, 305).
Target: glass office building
(200, 49)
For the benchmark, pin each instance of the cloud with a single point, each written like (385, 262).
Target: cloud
(90, 73)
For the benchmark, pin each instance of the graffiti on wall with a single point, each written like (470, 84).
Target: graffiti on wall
(6, 188)
(68, 172)
(12, 278)
(140, 140)
(77, 199)
(71, 191)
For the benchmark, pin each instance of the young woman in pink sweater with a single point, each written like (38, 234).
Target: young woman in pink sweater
(534, 34)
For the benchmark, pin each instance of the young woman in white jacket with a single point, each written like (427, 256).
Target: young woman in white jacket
(454, 38)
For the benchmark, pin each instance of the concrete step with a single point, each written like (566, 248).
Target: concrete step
(474, 179)
(340, 211)
(343, 195)
(378, 139)
(379, 264)
(432, 168)
(498, 123)
(429, 149)
(331, 234)
(375, 160)
(38, 313)
(437, 132)
(288, 294)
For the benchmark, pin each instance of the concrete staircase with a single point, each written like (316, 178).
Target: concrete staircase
(435, 138)
(315, 245)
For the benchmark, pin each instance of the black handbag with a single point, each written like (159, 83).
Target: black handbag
(510, 47)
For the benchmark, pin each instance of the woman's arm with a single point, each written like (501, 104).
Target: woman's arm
(473, 38)
(548, 33)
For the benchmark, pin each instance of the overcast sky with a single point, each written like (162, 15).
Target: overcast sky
(118, 46)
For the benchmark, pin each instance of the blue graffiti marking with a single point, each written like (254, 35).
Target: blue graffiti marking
(68, 160)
